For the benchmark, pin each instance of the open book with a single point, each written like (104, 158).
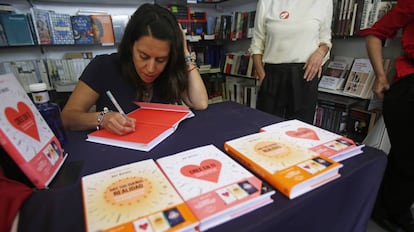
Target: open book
(26, 136)
(154, 123)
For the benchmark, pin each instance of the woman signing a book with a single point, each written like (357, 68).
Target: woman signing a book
(152, 64)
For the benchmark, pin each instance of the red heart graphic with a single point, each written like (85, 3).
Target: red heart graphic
(208, 170)
(23, 120)
(303, 133)
(143, 226)
(226, 194)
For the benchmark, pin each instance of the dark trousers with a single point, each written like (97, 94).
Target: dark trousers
(286, 94)
(397, 190)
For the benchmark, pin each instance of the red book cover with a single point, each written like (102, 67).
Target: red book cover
(26, 136)
(154, 123)
(103, 30)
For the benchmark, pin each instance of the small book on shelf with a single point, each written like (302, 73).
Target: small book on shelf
(25, 135)
(134, 197)
(82, 29)
(214, 186)
(324, 142)
(293, 170)
(119, 23)
(334, 76)
(154, 123)
(360, 79)
(41, 23)
(103, 30)
(61, 28)
(16, 26)
(360, 123)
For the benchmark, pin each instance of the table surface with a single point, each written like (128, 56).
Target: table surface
(344, 204)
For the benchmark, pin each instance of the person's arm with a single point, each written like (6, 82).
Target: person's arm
(195, 96)
(76, 115)
(374, 49)
(258, 65)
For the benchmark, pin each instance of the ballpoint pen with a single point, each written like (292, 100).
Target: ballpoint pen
(118, 107)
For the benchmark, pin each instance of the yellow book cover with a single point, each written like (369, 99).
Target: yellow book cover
(277, 160)
(134, 197)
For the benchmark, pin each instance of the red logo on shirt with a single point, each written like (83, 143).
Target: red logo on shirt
(284, 15)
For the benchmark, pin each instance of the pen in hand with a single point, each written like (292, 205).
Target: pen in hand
(118, 107)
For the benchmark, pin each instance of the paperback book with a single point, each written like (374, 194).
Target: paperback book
(82, 29)
(17, 29)
(360, 79)
(26, 136)
(154, 123)
(61, 28)
(291, 169)
(334, 76)
(214, 186)
(103, 30)
(41, 25)
(324, 142)
(134, 197)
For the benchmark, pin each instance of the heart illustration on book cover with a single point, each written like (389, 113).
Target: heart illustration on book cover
(23, 120)
(208, 170)
(303, 133)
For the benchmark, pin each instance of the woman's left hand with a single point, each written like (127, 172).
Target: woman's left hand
(313, 68)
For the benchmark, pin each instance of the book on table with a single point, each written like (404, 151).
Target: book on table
(134, 197)
(25, 135)
(214, 186)
(154, 123)
(324, 142)
(293, 170)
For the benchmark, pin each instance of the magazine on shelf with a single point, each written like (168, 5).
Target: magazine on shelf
(293, 170)
(154, 123)
(26, 136)
(324, 142)
(214, 186)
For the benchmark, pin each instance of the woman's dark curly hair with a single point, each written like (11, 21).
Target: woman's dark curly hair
(158, 22)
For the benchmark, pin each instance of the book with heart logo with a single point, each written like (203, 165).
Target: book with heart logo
(290, 168)
(25, 135)
(214, 186)
(134, 197)
(322, 141)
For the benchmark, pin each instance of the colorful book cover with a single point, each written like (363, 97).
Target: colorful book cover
(26, 136)
(214, 186)
(82, 29)
(154, 123)
(324, 142)
(17, 29)
(360, 79)
(134, 197)
(103, 30)
(271, 157)
(41, 23)
(61, 28)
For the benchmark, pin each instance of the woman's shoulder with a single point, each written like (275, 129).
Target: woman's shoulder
(105, 58)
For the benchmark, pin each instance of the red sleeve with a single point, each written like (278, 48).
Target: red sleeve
(401, 15)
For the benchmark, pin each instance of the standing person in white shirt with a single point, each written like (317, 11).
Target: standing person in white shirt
(290, 44)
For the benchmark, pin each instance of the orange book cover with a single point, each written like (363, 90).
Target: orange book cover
(291, 169)
(26, 136)
(103, 31)
(154, 123)
(324, 142)
(134, 197)
(215, 187)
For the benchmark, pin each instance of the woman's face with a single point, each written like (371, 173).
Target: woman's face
(150, 57)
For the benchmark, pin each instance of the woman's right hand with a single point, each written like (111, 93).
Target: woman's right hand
(116, 123)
